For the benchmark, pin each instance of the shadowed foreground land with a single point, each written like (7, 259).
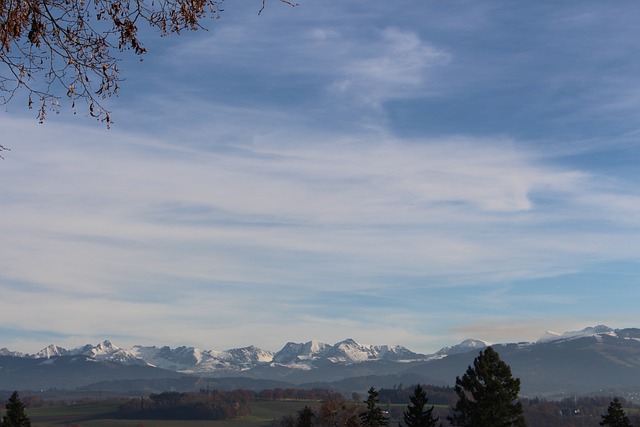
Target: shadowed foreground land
(102, 414)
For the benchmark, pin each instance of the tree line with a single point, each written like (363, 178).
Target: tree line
(215, 405)
(485, 396)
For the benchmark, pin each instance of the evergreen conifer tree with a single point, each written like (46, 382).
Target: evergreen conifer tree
(416, 415)
(487, 394)
(305, 417)
(15, 415)
(615, 416)
(373, 415)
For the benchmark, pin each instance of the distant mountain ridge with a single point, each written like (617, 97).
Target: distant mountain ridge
(192, 360)
(302, 356)
(464, 347)
(592, 359)
(551, 336)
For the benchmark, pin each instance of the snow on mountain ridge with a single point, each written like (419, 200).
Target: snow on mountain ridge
(6, 352)
(346, 351)
(250, 355)
(591, 331)
(300, 352)
(305, 356)
(181, 359)
(194, 360)
(349, 351)
(50, 351)
(465, 346)
(104, 351)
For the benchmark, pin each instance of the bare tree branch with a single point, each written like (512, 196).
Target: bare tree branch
(61, 50)
(282, 1)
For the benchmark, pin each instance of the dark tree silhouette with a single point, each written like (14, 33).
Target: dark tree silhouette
(487, 394)
(373, 415)
(416, 415)
(305, 417)
(15, 415)
(615, 416)
(58, 49)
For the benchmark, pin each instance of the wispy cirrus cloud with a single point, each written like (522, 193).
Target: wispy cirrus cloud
(196, 230)
(396, 65)
(336, 171)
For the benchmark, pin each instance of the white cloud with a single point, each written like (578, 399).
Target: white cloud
(192, 213)
(365, 69)
(395, 66)
(90, 219)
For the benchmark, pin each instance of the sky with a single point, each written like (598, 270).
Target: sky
(411, 173)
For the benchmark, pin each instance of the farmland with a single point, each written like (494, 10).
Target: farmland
(101, 413)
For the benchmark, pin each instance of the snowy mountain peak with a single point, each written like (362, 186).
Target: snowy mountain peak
(300, 352)
(316, 346)
(250, 355)
(51, 351)
(465, 346)
(349, 351)
(551, 336)
(6, 352)
(105, 347)
(106, 344)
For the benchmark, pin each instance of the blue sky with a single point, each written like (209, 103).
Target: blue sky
(413, 173)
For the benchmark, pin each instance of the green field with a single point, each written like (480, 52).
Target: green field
(101, 414)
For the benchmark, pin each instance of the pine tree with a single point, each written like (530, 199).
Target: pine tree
(305, 417)
(373, 416)
(416, 415)
(487, 394)
(615, 416)
(15, 415)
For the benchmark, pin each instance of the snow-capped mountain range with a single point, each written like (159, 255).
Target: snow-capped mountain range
(297, 356)
(293, 355)
(302, 356)
(592, 359)
(103, 351)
